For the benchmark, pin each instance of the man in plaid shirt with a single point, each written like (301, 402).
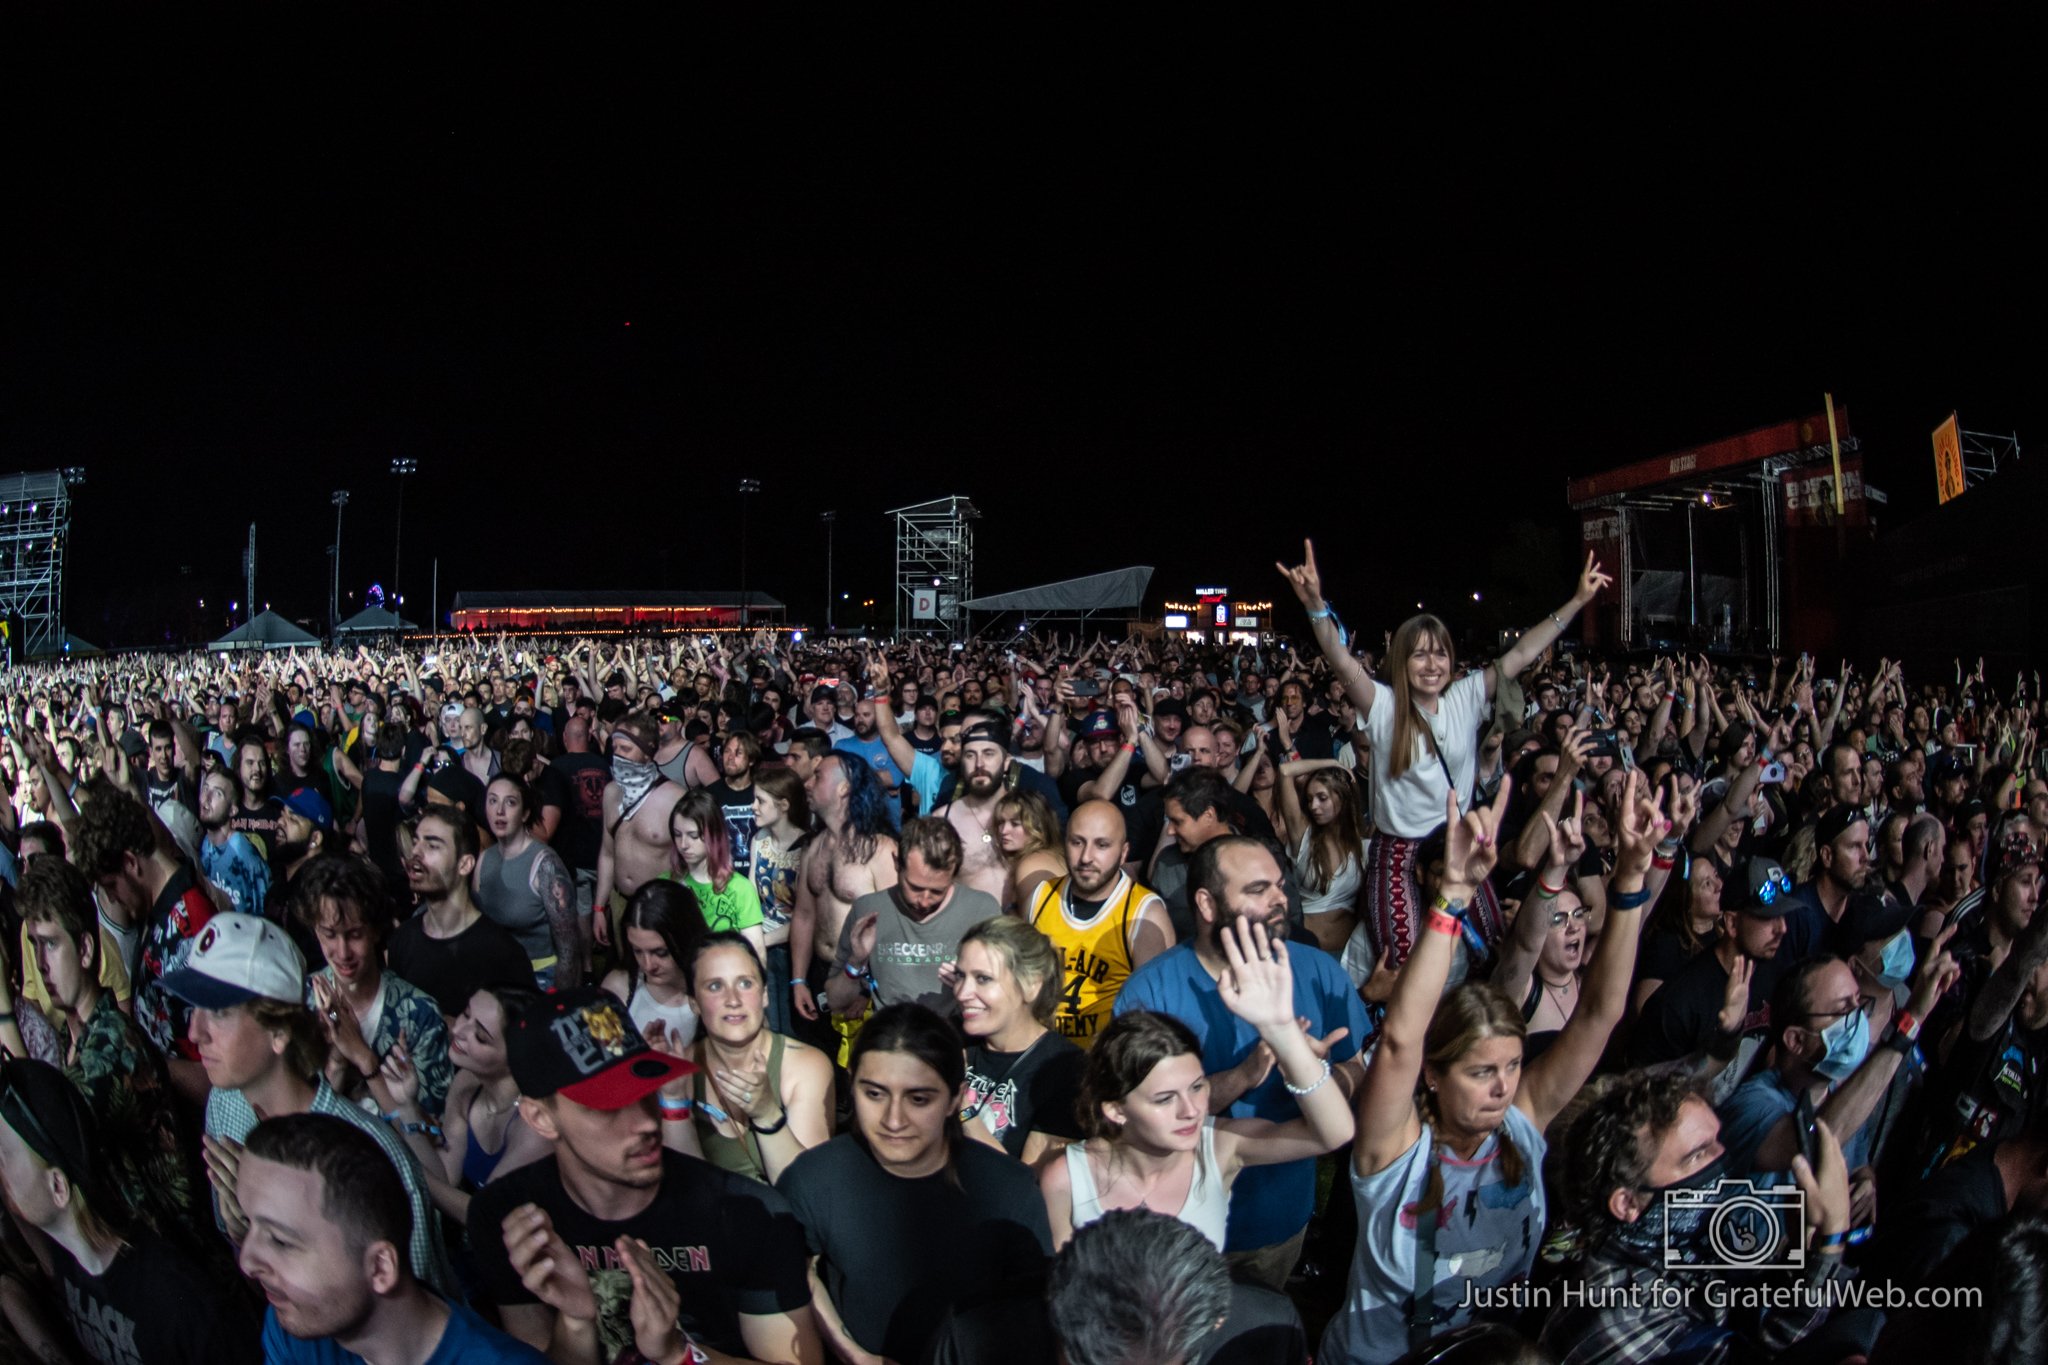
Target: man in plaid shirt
(1645, 1138)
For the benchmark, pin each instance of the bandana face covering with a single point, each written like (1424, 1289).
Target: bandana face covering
(635, 781)
(1682, 1225)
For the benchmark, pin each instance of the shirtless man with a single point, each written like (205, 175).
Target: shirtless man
(637, 803)
(854, 856)
(984, 762)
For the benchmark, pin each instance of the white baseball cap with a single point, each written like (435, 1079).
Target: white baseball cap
(236, 959)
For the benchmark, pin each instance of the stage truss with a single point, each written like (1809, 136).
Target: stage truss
(35, 524)
(934, 566)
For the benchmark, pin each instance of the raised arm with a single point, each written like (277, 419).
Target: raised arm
(1550, 1081)
(1564, 846)
(1307, 583)
(901, 752)
(1544, 633)
(1258, 987)
(1387, 1119)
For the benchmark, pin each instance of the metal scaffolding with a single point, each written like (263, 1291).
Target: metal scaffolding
(934, 566)
(35, 523)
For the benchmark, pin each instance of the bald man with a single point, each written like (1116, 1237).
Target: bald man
(472, 735)
(1104, 924)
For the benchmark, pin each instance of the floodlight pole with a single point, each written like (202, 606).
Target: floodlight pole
(828, 518)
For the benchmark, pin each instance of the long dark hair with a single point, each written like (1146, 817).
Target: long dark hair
(915, 1031)
(666, 908)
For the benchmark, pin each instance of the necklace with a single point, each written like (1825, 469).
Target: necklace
(1558, 993)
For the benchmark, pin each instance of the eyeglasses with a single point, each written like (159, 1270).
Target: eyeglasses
(1558, 917)
(1775, 884)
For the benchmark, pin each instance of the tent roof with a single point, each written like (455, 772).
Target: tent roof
(374, 618)
(267, 631)
(1119, 588)
(607, 599)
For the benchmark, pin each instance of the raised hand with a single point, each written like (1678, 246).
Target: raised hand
(1258, 984)
(1470, 844)
(1936, 972)
(1592, 579)
(1735, 999)
(1567, 834)
(1642, 825)
(1304, 578)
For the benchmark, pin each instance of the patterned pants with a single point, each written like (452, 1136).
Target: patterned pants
(1391, 905)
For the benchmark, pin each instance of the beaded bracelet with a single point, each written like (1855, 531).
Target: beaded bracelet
(1312, 1086)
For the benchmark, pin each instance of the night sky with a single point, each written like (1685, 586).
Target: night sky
(1153, 305)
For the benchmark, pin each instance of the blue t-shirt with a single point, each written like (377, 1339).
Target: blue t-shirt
(875, 754)
(1749, 1115)
(467, 1340)
(238, 869)
(1268, 1204)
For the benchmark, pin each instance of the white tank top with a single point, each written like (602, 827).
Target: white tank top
(1207, 1208)
(680, 1019)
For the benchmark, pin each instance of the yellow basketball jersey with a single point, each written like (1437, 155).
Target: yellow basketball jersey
(1095, 955)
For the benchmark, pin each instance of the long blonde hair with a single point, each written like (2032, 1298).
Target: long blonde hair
(1465, 1018)
(1403, 747)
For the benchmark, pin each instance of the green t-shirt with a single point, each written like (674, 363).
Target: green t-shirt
(737, 907)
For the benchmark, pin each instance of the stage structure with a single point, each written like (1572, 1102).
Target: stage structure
(934, 566)
(35, 526)
(1708, 545)
(1120, 592)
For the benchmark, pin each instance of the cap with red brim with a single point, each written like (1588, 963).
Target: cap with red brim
(582, 1044)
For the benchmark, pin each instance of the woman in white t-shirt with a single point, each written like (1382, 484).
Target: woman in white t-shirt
(1422, 727)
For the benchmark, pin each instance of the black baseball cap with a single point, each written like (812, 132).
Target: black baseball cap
(49, 1114)
(1767, 890)
(582, 1044)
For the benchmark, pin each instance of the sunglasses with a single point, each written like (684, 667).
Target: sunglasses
(1776, 883)
(1558, 917)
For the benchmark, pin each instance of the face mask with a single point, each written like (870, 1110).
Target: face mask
(1848, 1043)
(635, 781)
(1680, 1224)
(1897, 967)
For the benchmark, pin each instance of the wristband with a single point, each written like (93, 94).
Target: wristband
(1130, 748)
(772, 1128)
(1629, 900)
(671, 1107)
(1548, 893)
(1322, 615)
(1662, 863)
(1441, 923)
(1831, 1241)
(1907, 1026)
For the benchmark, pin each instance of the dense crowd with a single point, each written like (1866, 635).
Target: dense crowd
(1121, 1002)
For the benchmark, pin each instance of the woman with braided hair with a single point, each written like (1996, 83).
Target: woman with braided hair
(1446, 1171)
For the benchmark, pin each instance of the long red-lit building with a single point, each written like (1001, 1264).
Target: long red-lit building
(599, 611)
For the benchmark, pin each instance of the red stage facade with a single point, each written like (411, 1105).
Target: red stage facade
(1738, 545)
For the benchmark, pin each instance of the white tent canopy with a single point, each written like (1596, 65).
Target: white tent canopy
(267, 630)
(1117, 590)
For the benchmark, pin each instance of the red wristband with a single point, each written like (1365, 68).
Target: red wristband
(1441, 923)
(1907, 1024)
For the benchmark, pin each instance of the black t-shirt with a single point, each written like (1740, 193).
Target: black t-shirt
(728, 1243)
(737, 805)
(1916, 1236)
(1127, 795)
(1987, 1091)
(179, 791)
(381, 813)
(895, 1253)
(156, 1305)
(1013, 1094)
(453, 969)
(1145, 821)
(1663, 953)
(550, 788)
(581, 832)
(1317, 736)
(1683, 1016)
(1010, 1326)
(261, 823)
